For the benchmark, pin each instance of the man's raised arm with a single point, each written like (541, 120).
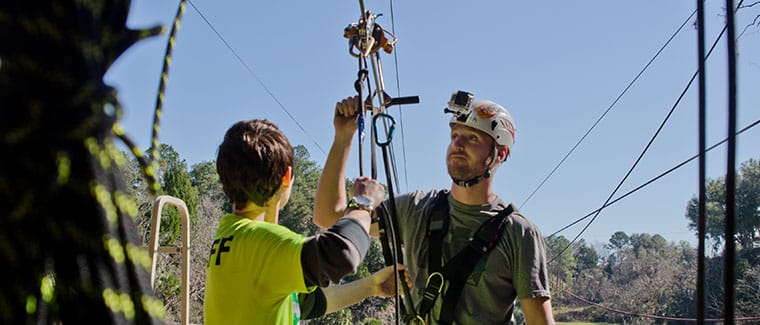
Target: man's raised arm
(330, 199)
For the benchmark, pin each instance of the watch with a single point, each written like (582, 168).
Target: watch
(361, 202)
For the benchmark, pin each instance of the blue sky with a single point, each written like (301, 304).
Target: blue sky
(557, 66)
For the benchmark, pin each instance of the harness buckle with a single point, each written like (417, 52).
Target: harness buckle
(416, 320)
(433, 286)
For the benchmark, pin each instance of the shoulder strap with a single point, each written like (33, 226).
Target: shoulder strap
(461, 266)
(438, 225)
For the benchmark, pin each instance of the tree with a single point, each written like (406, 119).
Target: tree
(372, 307)
(136, 184)
(647, 275)
(212, 203)
(747, 207)
(561, 259)
(211, 199)
(619, 240)
(297, 214)
(204, 178)
(585, 256)
(175, 181)
(202, 182)
(647, 242)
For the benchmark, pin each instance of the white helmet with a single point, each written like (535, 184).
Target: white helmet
(486, 116)
(483, 115)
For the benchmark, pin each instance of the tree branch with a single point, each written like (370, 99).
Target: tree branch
(754, 22)
(749, 5)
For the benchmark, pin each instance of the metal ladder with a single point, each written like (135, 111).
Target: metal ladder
(154, 247)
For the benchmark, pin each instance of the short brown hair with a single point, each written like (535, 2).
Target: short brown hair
(252, 160)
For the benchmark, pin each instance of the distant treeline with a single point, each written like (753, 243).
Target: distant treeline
(633, 278)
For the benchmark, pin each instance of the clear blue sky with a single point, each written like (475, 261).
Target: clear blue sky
(557, 66)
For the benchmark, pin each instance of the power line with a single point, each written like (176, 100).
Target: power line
(250, 70)
(608, 109)
(628, 313)
(663, 174)
(646, 148)
(398, 93)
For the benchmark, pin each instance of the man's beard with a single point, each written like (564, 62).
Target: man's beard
(464, 172)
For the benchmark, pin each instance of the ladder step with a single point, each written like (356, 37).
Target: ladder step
(169, 249)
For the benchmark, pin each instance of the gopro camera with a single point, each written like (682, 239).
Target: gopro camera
(460, 102)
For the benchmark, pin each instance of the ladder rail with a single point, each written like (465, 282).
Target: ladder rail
(154, 247)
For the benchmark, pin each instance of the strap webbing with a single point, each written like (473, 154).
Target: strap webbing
(438, 225)
(461, 266)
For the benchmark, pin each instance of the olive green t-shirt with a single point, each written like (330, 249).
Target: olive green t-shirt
(514, 269)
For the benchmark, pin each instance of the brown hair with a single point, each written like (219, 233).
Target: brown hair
(252, 160)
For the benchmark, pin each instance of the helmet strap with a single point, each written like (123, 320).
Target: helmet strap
(477, 179)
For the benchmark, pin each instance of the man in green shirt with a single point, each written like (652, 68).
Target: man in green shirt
(262, 273)
(481, 136)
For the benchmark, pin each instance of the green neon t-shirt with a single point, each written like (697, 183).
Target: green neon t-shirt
(254, 268)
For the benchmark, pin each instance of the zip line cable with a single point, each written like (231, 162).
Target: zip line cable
(250, 70)
(398, 93)
(630, 170)
(625, 90)
(646, 148)
(678, 319)
(663, 174)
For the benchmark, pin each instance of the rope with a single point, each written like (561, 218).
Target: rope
(154, 151)
(628, 313)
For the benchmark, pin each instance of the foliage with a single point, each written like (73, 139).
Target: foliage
(175, 181)
(639, 273)
(747, 207)
(210, 203)
(585, 256)
(205, 180)
(297, 213)
(169, 284)
(566, 261)
(562, 262)
(211, 206)
(340, 317)
(372, 321)
(138, 190)
(297, 216)
(373, 307)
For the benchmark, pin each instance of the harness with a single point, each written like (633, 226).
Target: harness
(459, 268)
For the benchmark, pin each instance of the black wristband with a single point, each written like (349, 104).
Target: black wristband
(354, 232)
(313, 304)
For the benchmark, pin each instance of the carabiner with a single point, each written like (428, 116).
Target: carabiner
(389, 131)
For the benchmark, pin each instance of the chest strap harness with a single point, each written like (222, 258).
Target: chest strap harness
(459, 268)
